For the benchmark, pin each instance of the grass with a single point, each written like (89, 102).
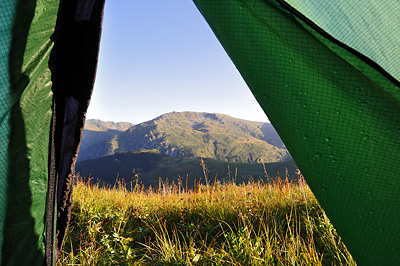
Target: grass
(255, 223)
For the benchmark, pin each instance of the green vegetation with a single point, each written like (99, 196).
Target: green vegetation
(188, 135)
(254, 223)
(152, 164)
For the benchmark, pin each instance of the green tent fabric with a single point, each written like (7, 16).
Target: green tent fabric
(327, 76)
(367, 27)
(25, 86)
(48, 56)
(6, 12)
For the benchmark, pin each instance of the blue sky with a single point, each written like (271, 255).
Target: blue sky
(161, 56)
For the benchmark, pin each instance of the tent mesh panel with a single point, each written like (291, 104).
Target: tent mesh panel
(7, 10)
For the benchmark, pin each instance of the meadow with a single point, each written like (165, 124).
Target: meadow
(222, 223)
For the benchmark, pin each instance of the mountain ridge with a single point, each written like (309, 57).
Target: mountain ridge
(99, 125)
(189, 135)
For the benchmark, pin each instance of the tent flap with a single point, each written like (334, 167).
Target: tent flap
(29, 117)
(336, 109)
(47, 68)
(75, 59)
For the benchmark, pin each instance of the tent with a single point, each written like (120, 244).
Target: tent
(327, 74)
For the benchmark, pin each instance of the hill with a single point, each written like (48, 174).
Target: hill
(98, 125)
(97, 131)
(150, 165)
(191, 135)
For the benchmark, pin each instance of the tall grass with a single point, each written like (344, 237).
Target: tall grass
(255, 223)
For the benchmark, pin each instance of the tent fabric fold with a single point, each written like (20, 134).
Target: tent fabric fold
(75, 54)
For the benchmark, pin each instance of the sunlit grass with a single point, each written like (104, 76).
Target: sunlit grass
(277, 223)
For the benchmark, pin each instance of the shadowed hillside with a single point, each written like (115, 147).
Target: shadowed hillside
(150, 165)
(97, 131)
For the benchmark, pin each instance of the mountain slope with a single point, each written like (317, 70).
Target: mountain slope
(97, 131)
(191, 134)
(98, 125)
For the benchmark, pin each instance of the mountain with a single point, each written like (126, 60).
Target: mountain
(98, 125)
(97, 131)
(190, 135)
(150, 165)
